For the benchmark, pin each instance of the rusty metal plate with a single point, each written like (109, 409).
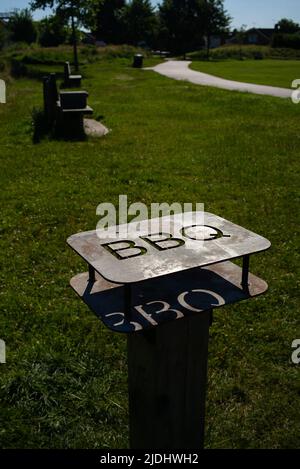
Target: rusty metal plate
(152, 253)
(166, 299)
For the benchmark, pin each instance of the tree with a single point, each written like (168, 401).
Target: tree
(140, 22)
(108, 20)
(286, 26)
(3, 35)
(215, 19)
(240, 37)
(181, 25)
(73, 11)
(52, 32)
(289, 41)
(189, 21)
(22, 27)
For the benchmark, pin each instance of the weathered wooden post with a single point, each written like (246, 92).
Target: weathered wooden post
(160, 289)
(167, 369)
(50, 97)
(46, 96)
(71, 81)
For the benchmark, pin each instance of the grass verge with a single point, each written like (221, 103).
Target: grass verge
(262, 72)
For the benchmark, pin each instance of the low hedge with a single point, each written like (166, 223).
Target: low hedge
(246, 52)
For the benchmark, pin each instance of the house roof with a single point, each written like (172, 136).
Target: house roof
(267, 32)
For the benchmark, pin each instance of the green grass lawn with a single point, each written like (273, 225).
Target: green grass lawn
(262, 72)
(65, 381)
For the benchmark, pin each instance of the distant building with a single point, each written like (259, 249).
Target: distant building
(255, 36)
(101, 44)
(259, 36)
(216, 40)
(88, 38)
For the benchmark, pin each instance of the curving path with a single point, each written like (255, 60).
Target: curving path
(179, 70)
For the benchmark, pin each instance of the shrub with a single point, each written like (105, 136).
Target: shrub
(22, 27)
(52, 32)
(3, 35)
(291, 41)
(18, 68)
(39, 124)
(247, 52)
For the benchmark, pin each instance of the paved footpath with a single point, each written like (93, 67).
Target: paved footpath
(179, 70)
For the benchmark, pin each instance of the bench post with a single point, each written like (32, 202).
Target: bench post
(50, 97)
(167, 368)
(69, 79)
(53, 97)
(67, 72)
(46, 95)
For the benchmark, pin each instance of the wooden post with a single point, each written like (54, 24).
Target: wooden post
(75, 50)
(46, 95)
(167, 370)
(53, 97)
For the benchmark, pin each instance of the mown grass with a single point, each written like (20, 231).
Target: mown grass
(65, 381)
(262, 72)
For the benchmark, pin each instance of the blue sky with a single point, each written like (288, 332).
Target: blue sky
(259, 13)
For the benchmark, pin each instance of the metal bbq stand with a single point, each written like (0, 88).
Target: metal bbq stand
(161, 291)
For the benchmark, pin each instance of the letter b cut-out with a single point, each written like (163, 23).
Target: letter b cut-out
(124, 249)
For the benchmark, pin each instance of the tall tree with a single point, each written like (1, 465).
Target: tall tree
(187, 22)
(140, 21)
(3, 35)
(106, 20)
(287, 26)
(73, 11)
(52, 31)
(22, 27)
(181, 24)
(215, 19)
(240, 37)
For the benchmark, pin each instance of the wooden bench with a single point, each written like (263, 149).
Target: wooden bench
(71, 81)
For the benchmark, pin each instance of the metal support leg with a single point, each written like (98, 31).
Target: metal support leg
(245, 272)
(127, 300)
(167, 384)
(92, 274)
